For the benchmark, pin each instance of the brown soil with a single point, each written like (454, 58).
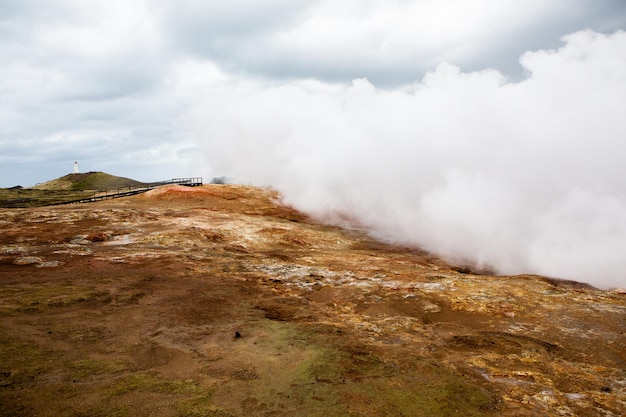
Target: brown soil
(219, 301)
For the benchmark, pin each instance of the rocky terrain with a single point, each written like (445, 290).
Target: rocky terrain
(219, 301)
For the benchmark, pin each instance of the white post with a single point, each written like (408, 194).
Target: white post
(75, 167)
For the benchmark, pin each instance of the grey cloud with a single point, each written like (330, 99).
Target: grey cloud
(216, 29)
(284, 40)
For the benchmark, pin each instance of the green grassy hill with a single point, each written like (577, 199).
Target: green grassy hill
(96, 181)
(67, 188)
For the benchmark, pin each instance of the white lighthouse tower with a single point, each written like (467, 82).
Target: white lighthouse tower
(75, 167)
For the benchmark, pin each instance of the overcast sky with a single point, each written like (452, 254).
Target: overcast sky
(490, 131)
(108, 84)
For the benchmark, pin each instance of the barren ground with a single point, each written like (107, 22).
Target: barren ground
(218, 301)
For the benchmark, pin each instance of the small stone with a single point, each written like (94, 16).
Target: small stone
(237, 335)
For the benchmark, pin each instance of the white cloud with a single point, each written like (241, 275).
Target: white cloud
(526, 176)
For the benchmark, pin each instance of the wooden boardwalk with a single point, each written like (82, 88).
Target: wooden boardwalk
(128, 191)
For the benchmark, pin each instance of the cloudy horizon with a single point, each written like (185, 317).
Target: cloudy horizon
(486, 131)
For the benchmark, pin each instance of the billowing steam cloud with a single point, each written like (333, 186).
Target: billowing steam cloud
(525, 177)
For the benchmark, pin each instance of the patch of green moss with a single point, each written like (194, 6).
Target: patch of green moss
(86, 367)
(200, 406)
(296, 374)
(441, 394)
(187, 397)
(153, 382)
(107, 410)
(330, 377)
(58, 295)
(23, 361)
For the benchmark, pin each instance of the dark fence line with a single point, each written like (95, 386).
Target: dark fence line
(191, 182)
(101, 195)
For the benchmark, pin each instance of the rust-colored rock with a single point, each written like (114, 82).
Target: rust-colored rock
(217, 300)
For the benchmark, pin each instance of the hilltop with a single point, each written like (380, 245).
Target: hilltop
(95, 181)
(218, 300)
(70, 187)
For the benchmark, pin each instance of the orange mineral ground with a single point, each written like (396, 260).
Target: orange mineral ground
(219, 301)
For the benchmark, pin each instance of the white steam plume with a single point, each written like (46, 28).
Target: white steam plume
(526, 177)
